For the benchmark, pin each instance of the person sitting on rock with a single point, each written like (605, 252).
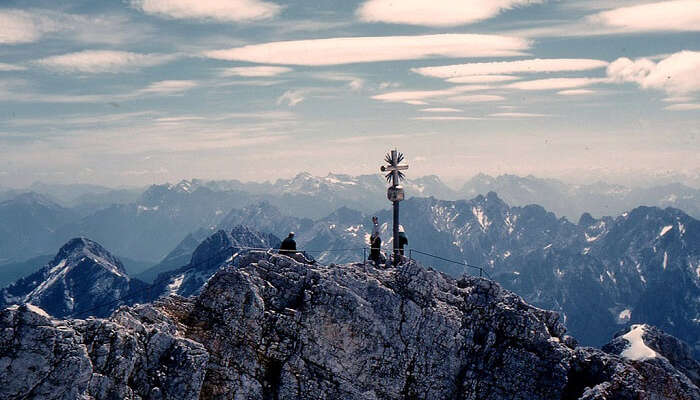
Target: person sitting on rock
(289, 245)
(289, 248)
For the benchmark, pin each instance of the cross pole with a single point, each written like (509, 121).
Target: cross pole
(395, 192)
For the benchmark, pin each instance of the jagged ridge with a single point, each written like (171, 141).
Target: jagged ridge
(275, 328)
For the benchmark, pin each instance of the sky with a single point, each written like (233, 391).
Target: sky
(133, 92)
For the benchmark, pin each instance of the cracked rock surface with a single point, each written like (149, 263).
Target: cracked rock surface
(278, 329)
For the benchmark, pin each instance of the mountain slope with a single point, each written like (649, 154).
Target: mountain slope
(276, 329)
(82, 279)
(209, 256)
(29, 222)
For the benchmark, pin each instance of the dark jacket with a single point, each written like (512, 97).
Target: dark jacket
(403, 240)
(288, 246)
(375, 248)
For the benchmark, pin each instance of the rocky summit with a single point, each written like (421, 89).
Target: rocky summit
(273, 328)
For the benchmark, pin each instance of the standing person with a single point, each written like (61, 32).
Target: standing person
(403, 239)
(375, 247)
(289, 245)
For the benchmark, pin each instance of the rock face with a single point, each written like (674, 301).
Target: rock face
(136, 354)
(273, 328)
(661, 344)
(83, 279)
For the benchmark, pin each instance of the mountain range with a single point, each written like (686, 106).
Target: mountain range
(143, 226)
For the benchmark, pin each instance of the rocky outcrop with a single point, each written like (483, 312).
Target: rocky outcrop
(273, 328)
(660, 345)
(136, 354)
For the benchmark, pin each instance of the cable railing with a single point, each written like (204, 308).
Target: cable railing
(481, 270)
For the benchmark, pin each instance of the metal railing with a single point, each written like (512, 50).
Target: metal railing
(481, 270)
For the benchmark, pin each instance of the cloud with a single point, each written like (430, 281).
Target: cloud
(259, 71)
(445, 118)
(440, 109)
(575, 92)
(354, 83)
(675, 74)
(403, 96)
(100, 61)
(476, 98)
(482, 79)
(10, 67)
(683, 107)
(347, 50)
(217, 10)
(22, 27)
(555, 83)
(291, 97)
(415, 102)
(435, 13)
(518, 115)
(678, 99)
(510, 67)
(169, 87)
(26, 26)
(676, 15)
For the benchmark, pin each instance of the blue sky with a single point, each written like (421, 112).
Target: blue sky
(142, 91)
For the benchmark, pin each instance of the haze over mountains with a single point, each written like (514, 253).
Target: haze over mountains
(129, 220)
(600, 272)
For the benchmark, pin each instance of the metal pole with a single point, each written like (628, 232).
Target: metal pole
(395, 182)
(396, 233)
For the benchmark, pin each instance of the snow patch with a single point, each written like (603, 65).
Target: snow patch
(506, 254)
(175, 284)
(37, 310)
(625, 314)
(481, 217)
(637, 350)
(57, 267)
(665, 229)
(665, 264)
(592, 238)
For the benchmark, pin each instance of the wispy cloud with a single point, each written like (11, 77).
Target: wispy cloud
(555, 83)
(169, 87)
(347, 50)
(511, 67)
(353, 82)
(482, 79)
(291, 97)
(683, 107)
(475, 98)
(576, 92)
(675, 15)
(101, 61)
(435, 13)
(26, 26)
(258, 71)
(4, 67)
(676, 74)
(217, 10)
(518, 115)
(403, 96)
(450, 118)
(440, 110)
(23, 27)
